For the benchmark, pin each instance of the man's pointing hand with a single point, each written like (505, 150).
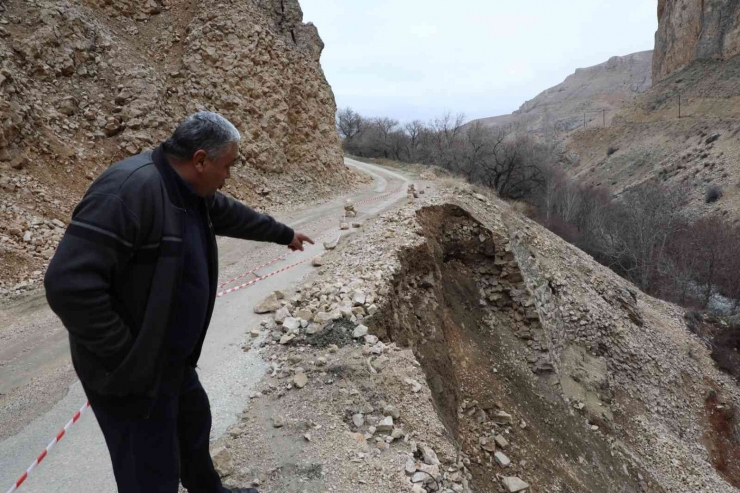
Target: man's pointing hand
(297, 243)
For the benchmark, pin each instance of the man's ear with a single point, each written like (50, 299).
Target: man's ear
(199, 159)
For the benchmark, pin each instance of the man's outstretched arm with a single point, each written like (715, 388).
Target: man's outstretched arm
(234, 219)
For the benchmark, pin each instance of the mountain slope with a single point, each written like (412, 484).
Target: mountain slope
(596, 91)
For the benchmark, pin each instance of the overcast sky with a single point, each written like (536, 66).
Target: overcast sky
(418, 58)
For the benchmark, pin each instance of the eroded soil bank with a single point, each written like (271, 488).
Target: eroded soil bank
(460, 302)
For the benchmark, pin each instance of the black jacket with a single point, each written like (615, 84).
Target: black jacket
(113, 278)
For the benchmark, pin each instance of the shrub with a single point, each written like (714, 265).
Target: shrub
(714, 193)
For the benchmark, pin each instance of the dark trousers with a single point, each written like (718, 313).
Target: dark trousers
(152, 455)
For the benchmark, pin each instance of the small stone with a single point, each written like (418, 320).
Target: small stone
(287, 338)
(282, 314)
(391, 411)
(358, 420)
(303, 314)
(430, 456)
(372, 310)
(278, 421)
(344, 226)
(360, 331)
(502, 460)
(381, 362)
(321, 361)
(415, 386)
(356, 225)
(514, 484)
(502, 418)
(501, 441)
(255, 333)
(307, 437)
(291, 324)
(371, 339)
(331, 244)
(420, 477)
(317, 261)
(386, 425)
(269, 304)
(300, 380)
(410, 465)
(358, 298)
(222, 461)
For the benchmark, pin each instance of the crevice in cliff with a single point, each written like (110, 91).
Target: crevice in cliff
(459, 300)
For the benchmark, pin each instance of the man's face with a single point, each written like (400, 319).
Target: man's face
(212, 174)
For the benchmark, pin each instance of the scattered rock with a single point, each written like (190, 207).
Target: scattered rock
(360, 331)
(287, 338)
(502, 418)
(502, 459)
(269, 304)
(278, 421)
(291, 324)
(430, 456)
(282, 314)
(501, 441)
(514, 484)
(331, 244)
(385, 425)
(222, 461)
(300, 380)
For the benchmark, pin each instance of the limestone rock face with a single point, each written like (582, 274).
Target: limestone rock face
(86, 84)
(689, 30)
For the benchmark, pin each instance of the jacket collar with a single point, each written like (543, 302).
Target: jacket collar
(170, 178)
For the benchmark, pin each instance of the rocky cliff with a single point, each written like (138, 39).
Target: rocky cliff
(695, 30)
(594, 91)
(85, 84)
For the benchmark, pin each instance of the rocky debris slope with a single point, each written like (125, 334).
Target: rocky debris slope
(453, 345)
(83, 85)
(560, 109)
(689, 30)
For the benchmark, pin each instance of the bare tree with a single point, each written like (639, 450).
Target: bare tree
(414, 132)
(349, 123)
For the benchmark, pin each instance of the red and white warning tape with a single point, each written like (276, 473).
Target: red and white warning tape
(255, 281)
(266, 264)
(48, 448)
(82, 410)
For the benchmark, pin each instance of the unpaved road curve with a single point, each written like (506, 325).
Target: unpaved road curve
(35, 366)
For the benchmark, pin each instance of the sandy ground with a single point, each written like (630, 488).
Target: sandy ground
(39, 391)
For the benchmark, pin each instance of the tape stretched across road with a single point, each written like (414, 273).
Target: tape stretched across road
(82, 410)
(48, 448)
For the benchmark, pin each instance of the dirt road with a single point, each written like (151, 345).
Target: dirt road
(39, 391)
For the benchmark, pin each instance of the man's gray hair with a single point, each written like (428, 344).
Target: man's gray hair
(204, 130)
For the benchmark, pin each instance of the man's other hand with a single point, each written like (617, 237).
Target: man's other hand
(298, 240)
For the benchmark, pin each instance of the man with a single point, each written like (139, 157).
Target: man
(134, 282)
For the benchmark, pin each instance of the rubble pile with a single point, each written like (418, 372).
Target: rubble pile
(547, 371)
